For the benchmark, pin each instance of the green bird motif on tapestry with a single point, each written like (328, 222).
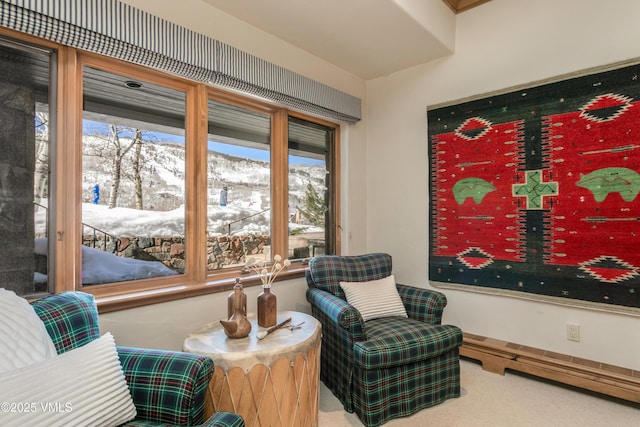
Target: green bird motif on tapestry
(476, 188)
(601, 182)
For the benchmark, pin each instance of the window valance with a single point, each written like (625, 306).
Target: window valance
(118, 30)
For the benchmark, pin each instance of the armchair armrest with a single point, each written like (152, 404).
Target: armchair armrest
(338, 311)
(224, 419)
(423, 304)
(167, 386)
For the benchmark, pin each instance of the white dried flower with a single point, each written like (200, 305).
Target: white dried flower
(261, 268)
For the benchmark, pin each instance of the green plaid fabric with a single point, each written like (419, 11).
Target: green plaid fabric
(164, 384)
(224, 419)
(168, 387)
(383, 368)
(328, 271)
(339, 311)
(219, 419)
(395, 341)
(422, 305)
(380, 395)
(71, 319)
(336, 355)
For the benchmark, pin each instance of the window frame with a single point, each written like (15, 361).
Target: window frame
(66, 164)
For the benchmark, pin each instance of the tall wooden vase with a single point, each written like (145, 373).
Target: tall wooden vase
(231, 299)
(267, 308)
(237, 325)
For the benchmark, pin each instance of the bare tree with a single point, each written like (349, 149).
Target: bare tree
(137, 168)
(120, 149)
(41, 174)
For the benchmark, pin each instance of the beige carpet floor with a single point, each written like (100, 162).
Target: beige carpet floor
(513, 400)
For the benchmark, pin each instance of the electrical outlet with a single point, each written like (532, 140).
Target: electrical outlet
(573, 332)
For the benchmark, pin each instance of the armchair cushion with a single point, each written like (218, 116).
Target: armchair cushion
(395, 341)
(375, 298)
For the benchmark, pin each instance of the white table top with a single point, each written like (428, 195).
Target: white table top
(210, 340)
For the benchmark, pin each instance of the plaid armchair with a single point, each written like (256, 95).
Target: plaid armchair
(168, 387)
(386, 367)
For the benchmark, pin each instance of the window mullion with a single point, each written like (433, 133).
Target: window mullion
(196, 183)
(67, 216)
(279, 184)
(335, 199)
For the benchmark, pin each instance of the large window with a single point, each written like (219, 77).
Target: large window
(310, 183)
(239, 185)
(162, 186)
(133, 179)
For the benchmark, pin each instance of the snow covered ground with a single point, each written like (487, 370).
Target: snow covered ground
(126, 222)
(103, 267)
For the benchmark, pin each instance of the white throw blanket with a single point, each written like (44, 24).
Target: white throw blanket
(23, 337)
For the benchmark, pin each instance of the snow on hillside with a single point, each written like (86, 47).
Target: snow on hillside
(127, 222)
(163, 192)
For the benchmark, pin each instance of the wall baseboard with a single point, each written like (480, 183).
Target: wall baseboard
(496, 356)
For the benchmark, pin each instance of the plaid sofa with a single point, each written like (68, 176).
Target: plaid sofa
(388, 367)
(168, 387)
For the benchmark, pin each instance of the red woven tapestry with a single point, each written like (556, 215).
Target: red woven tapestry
(536, 190)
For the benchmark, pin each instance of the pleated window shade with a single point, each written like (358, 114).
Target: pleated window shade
(118, 30)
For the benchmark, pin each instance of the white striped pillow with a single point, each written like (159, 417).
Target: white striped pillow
(375, 298)
(83, 387)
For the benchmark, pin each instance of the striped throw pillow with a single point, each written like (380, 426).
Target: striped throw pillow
(375, 298)
(82, 387)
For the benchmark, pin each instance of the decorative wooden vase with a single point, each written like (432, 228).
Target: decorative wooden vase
(237, 326)
(267, 308)
(231, 299)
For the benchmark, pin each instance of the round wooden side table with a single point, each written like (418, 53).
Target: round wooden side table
(273, 381)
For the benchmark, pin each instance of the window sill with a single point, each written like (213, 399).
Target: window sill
(115, 301)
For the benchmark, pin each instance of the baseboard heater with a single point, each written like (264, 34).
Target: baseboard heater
(496, 356)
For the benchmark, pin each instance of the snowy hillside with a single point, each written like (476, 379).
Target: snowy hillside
(162, 176)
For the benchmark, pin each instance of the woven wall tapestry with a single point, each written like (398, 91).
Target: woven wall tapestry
(534, 191)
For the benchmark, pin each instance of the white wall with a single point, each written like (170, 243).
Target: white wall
(384, 161)
(499, 44)
(166, 325)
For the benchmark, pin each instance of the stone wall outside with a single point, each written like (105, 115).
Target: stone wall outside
(222, 251)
